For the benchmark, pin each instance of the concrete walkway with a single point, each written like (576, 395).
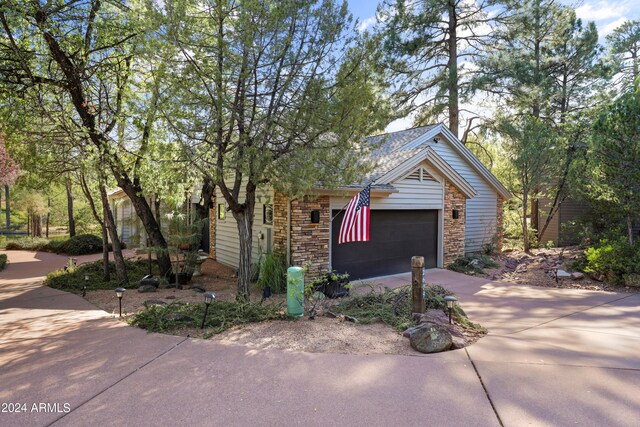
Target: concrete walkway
(552, 357)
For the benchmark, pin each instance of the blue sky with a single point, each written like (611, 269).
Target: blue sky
(606, 14)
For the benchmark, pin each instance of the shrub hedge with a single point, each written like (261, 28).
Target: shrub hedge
(82, 244)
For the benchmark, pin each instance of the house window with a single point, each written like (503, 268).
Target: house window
(267, 214)
(221, 211)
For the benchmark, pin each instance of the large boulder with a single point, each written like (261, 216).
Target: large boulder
(430, 338)
(146, 288)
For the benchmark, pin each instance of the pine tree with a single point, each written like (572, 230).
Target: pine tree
(424, 42)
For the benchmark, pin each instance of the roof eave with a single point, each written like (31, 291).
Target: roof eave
(466, 154)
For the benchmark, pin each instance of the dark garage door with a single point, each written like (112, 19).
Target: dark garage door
(395, 236)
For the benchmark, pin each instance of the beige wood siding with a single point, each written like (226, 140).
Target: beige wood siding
(227, 241)
(412, 194)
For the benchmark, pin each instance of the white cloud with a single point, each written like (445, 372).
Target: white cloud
(600, 11)
(368, 22)
(612, 26)
(399, 124)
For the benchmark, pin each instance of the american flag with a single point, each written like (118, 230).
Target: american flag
(355, 224)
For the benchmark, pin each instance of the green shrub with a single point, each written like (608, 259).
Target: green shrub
(27, 244)
(3, 261)
(82, 244)
(273, 273)
(614, 259)
(472, 264)
(221, 315)
(393, 307)
(72, 280)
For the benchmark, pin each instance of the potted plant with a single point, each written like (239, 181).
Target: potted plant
(332, 284)
(183, 239)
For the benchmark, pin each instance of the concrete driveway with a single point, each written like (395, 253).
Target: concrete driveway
(552, 357)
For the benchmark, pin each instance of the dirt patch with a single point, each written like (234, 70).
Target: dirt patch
(539, 267)
(321, 335)
(215, 277)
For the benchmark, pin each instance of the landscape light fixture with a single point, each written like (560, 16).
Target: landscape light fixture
(119, 294)
(450, 299)
(208, 298)
(84, 287)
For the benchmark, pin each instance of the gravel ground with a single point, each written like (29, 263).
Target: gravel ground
(537, 269)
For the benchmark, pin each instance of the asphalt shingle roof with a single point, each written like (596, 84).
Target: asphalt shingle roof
(390, 154)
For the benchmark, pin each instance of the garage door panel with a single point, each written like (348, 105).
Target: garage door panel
(395, 236)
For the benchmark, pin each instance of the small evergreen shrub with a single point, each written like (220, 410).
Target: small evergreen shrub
(3, 261)
(82, 244)
(72, 279)
(221, 316)
(472, 264)
(613, 258)
(393, 307)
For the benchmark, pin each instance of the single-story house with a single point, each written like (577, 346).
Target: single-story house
(430, 197)
(130, 228)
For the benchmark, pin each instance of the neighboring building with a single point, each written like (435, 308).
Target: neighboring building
(130, 228)
(558, 231)
(430, 197)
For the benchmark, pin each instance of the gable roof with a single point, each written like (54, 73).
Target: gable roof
(399, 151)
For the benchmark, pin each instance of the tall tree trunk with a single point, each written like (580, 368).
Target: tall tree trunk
(537, 107)
(72, 220)
(525, 226)
(244, 220)
(36, 225)
(204, 207)
(452, 67)
(48, 215)
(630, 227)
(7, 211)
(106, 275)
(156, 210)
(121, 270)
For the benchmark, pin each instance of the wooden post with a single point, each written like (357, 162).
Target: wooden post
(417, 300)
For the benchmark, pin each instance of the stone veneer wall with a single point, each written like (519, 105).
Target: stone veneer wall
(500, 223)
(453, 238)
(212, 230)
(310, 242)
(279, 228)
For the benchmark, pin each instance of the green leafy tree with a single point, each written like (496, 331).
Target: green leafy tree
(271, 93)
(529, 146)
(92, 54)
(616, 157)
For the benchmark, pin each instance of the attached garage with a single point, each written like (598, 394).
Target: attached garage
(430, 196)
(395, 236)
